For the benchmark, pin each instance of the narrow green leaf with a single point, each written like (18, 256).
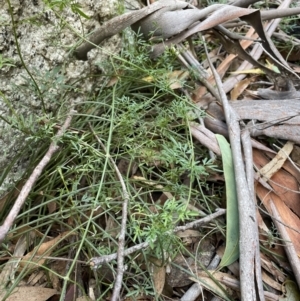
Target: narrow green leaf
(82, 14)
(76, 9)
(232, 216)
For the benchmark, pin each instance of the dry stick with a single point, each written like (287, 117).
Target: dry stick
(279, 221)
(205, 137)
(96, 261)
(247, 220)
(286, 38)
(33, 178)
(193, 292)
(194, 64)
(247, 148)
(120, 253)
(289, 247)
(199, 132)
(279, 13)
(198, 71)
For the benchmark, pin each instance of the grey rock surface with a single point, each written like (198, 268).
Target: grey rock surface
(45, 37)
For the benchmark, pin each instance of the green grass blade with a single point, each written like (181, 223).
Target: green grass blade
(232, 217)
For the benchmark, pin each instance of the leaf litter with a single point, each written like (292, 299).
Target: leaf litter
(270, 116)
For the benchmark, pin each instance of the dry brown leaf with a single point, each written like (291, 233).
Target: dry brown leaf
(36, 277)
(8, 271)
(165, 194)
(287, 188)
(188, 233)
(188, 236)
(34, 293)
(59, 268)
(52, 206)
(296, 69)
(45, 249)
(177, 276)
(222, 15)
(271, 282)
(268, 170)
(294, 171)
(15, 235)
(285, 196)
(289, 218)
(223, 67)
(112, 227)
(257, 71)
(210, 284)
(176, 79)
(71, 293)
(240, 87)
(112, 81)
(159, 278)
(234, 268)
(127, 167)
(261, 224)
(271, 268)
(284, 184)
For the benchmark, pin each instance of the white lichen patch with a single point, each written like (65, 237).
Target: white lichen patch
(46, 37)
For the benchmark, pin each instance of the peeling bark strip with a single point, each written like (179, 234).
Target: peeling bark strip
(274, 118)
(170, 18)
(119, 23)
(166, 18)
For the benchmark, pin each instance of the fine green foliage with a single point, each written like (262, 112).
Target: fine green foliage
(130, 140)
(144, 125)
(62, 4)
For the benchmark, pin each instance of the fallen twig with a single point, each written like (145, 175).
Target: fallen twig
(247, 215)
(247, 151)
(205, 137)
(95, 262)
(33, 178)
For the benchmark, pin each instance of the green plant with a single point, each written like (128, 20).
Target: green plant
(6, 62)
(144, 126)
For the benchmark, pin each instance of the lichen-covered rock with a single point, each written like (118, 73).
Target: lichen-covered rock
(38, 74)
